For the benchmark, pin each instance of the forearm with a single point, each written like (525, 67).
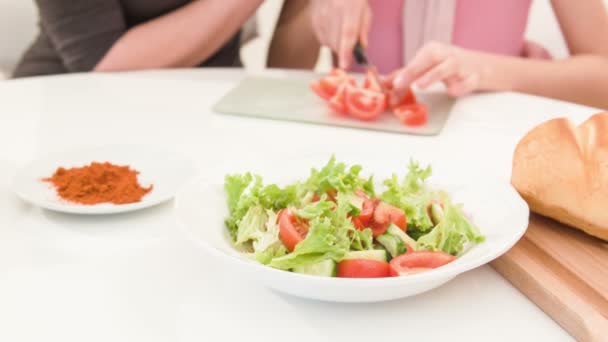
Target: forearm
(581, 79)
(183, 38)
(294, 44)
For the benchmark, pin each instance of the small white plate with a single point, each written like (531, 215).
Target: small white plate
(165, 170)
(496, 208)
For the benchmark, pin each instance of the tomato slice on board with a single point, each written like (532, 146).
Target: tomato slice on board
(391, 96)
(364, 104)
(318, 88)
(371, 81)
(292, 230)
(363, 268)
(414, 262)
(412, 114)
(409, 98)
(328, 86)
(367, 212)
(384, 215)
(337, 102)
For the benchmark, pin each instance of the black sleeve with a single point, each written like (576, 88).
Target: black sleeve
(82, 31)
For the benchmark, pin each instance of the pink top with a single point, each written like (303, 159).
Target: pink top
(495, 26)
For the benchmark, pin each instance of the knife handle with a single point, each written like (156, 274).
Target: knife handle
(359, 53)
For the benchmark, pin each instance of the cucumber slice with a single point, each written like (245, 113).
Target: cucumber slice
(325, 268)
(393, 244)
(372, 254)
(396, 231)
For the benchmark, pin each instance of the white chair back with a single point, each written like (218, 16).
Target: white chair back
(18, 29)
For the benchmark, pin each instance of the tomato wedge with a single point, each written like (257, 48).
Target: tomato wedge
(414, 262)
(412, 114)
(292, 230)
(327, 87)
(337, 102)
(322, 89)
(365, 104)
(371, 81)
(363, 268)
(384, 215)
(367, 211)
(392, 101)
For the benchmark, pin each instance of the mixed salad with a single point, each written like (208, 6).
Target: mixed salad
(370, 99)
(336, 224)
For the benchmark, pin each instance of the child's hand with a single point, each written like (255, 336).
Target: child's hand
(338, 24)
(459, 69)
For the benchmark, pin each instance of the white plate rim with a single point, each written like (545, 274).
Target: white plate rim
(104, 208)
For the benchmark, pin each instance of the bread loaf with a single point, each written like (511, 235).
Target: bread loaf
(562, 172)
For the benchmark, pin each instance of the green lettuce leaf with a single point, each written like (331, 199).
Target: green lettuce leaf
(362, 240)
(244, 191)
(322, 207)
(259, 231)
(235, 186)
(411, 195)
(266, 256)
(269, 246)
(269, 236)
(337, 176)
(252, 226)
(453, 233)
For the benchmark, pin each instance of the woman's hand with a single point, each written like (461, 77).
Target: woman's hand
(459, 69)
(339, 24)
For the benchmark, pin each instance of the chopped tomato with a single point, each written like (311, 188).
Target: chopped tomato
(364, 104)
(368, 101)
(414, 262)
(412, 114)
(328, 86)
(321, 89)
(387, 83)
(392, 100)
(384, 215)
(292, 230)
(337, 102)
(377, 229)
(409, 98)
(363, 268)
(367, 211)
(371, 81)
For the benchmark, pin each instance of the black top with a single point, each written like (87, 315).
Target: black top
(75, 35)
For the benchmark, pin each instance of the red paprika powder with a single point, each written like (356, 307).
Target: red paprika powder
(98, 183)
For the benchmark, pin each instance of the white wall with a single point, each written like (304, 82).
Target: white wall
(18, 18)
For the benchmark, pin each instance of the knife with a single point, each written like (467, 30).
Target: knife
(361, 59)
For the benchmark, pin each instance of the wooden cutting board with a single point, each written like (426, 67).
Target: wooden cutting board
(565, 272)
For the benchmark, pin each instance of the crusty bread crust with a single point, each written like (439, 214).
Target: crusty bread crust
(562, 172)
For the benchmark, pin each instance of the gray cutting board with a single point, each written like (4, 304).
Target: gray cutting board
(292, 100)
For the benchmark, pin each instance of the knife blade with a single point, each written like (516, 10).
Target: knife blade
(361, 59)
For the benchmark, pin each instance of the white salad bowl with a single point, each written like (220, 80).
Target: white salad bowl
(495, 207)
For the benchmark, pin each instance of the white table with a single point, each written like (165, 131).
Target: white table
(135, 277)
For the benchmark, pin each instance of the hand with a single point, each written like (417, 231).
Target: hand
(339, 24)
(459, 69)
